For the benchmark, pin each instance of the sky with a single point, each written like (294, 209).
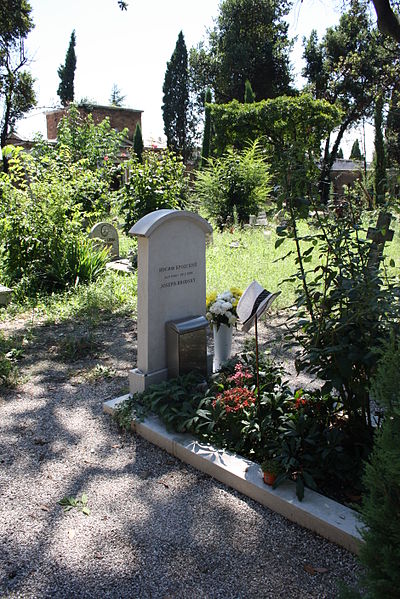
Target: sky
(131, 49)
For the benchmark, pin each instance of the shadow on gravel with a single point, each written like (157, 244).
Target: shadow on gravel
(157, 527)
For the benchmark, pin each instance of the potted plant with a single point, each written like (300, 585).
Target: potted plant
(271, 467)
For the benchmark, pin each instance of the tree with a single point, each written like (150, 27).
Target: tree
(205, 150)
(355, 153)
(116, 98)
(380, 180)
(66, 73)
(17, 95)
(249, 95)
(392, 131)
(340, 153)
(138, 145)
(350, 66)
(249, 41)
(175, 106)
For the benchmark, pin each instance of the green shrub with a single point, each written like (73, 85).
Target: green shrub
(238, 181)
(380, 511)
(43, 243)
(380, 514)
(303, 433)
(158, 182)
(345, 309)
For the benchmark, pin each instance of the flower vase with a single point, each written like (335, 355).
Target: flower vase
(222, 345)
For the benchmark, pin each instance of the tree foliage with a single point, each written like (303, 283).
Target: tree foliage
(355, 153)
(66, 73)
(138, 145)
(158, 182)
(175, 106)
(249, 95)
(16, 84)
(205, 150)
(249, 41)
(116, 97)
(352, 65)
(237, 181)
(290, 128)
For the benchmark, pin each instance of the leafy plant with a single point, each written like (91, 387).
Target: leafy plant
(43, 244)
(345, 307)
(238, 181)
(69, 503)
(158, 182)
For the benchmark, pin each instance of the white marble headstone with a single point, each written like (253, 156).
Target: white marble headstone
(171, 285)
(108, 235)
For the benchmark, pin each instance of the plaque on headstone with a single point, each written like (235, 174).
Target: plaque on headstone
(171, 285)
(108, 234)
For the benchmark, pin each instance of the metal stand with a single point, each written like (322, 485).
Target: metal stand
(257, 367)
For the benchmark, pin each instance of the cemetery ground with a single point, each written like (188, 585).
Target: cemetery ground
(156, 528)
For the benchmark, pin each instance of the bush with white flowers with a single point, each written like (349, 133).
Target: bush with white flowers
(221, 308)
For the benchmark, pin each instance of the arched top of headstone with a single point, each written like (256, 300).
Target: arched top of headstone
(146, 226)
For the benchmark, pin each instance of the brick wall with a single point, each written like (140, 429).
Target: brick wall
(119, 118)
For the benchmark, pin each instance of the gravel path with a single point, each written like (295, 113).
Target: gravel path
(157, 528)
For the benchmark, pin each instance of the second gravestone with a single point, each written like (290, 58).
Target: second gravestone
(108, 235)
(171, 285)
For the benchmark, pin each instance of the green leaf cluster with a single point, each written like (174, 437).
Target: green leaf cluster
(345, 309)
(236, 183)
(158, 182)
(69, 503)
(44, 245)
(290, 129)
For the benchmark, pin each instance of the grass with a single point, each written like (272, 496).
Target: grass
(235, 258)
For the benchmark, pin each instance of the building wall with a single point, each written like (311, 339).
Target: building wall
(120, 118)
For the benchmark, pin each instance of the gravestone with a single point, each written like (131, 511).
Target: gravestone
(5, 295)
(379, 236)
(171, 285)
(108, 234)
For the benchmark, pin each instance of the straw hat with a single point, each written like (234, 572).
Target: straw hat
(254, 301)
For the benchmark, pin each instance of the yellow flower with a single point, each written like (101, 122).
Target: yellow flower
(210, 298)
(236, 292)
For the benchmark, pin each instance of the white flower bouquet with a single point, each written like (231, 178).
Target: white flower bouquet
(221, 308)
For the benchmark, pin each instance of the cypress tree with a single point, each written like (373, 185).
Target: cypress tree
(176, 99)
(249, 95)
(205, 150)
(138, 145)
(340, 153)
(355, 153)
(66, 73)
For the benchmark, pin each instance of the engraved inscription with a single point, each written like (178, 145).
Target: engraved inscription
(174, 275)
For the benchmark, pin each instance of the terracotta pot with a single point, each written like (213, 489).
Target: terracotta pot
(269, 478)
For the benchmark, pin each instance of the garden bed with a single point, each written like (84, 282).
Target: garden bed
(320, 514)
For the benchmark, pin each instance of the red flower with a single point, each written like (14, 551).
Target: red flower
(235, 399)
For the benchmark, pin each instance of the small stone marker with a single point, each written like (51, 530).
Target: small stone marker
(379, 235)
(108, 235)
(171, 285)
(5, 295)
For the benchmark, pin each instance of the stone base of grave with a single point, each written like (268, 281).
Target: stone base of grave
(5, 295)
(139, 381)
(121, 265)
(320, 514)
